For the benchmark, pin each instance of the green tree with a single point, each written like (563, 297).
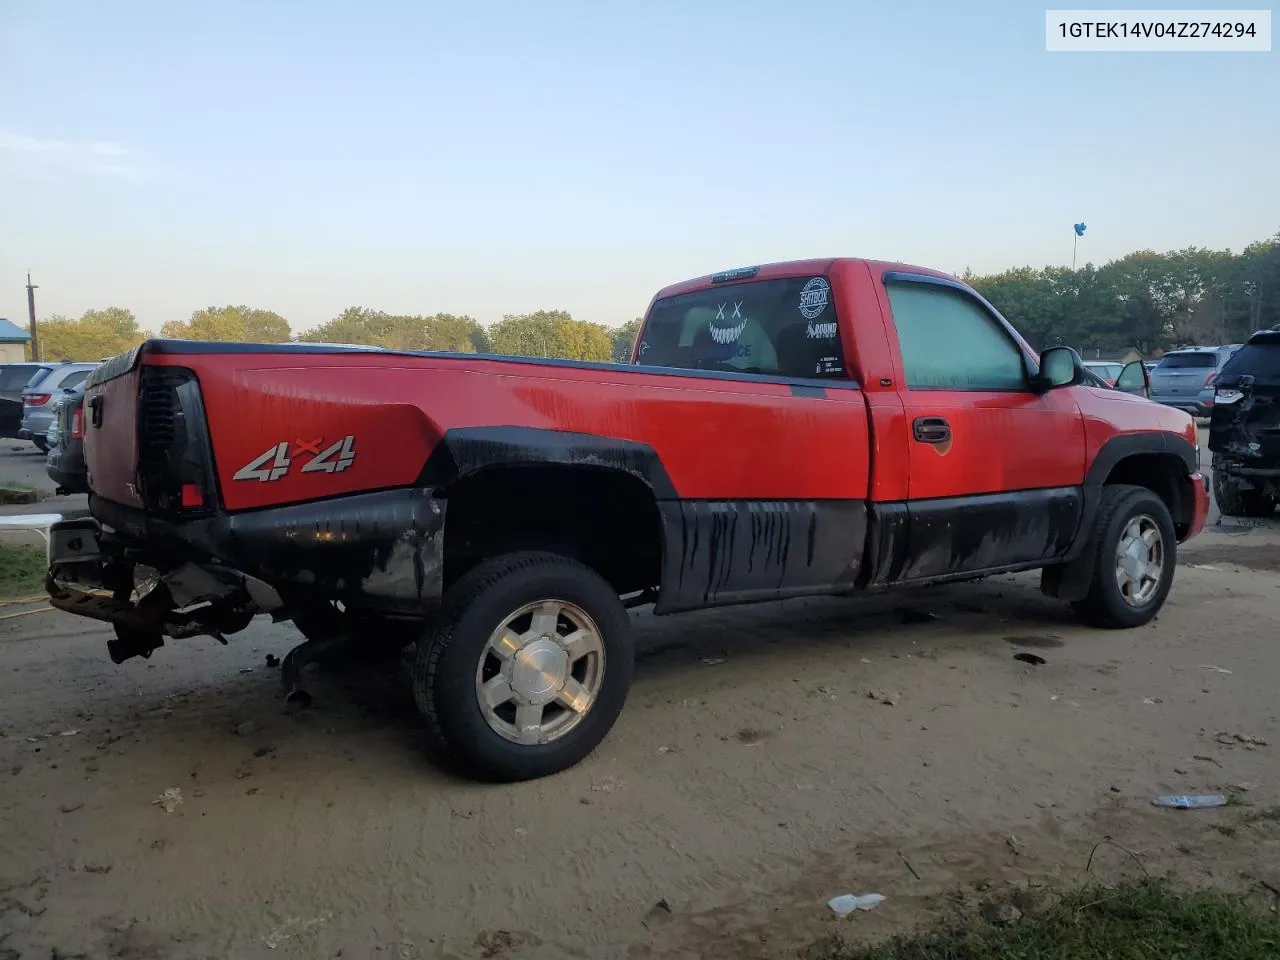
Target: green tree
(441, 331)
(624, 338)
(231, 323)
(98, 334)
(551, 333)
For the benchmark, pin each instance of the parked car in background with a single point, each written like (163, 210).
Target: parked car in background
(65, 461)
(1244, 430)
(1181, 375)
(38, 397)
(1105, 369)
(13, 377)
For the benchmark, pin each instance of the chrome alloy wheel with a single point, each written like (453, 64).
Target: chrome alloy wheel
(540, 672)
(1139, 560)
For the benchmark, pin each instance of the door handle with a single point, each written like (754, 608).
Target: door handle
(95, 411)
(931, 429)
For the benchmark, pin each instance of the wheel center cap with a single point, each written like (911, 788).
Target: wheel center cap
(1135, 559)
(539, 671)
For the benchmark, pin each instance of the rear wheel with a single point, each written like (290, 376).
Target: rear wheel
(1136, 548)
(41, 444)
(527, 668)
(1234, 501)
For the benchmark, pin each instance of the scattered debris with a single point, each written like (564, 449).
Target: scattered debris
(1151, 700)
(713, 661)
(1001, 914)
(1209, 666)
(246, 669)
(751, 736)
(494, 943)
(907, 863)
(1181, 772)
(1030, 658)
(170, 800)
(70, 807)
(264, 751)
(1195, 802)
(102, 868)
(888, 699)
(667, 749)
(660, 912)
(607, 785)
(246, 728)
(292, 928)
(68, 733)
(1012, 842)
(846, 903)
(1203, 566)
(273, 660)
(1241, 787)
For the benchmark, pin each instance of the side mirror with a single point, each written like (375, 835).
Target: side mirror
(1059, 367)
(1135, 379)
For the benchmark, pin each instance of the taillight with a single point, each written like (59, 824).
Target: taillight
(175, 464)
(77, 423)
(1212, 377)
(38, 399)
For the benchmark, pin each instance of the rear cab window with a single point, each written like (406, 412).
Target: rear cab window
(14, 378)
(1259, 358)
(785, 328)
(1188, 361)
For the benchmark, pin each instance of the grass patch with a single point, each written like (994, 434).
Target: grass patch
(1138, 921)
(22, 571)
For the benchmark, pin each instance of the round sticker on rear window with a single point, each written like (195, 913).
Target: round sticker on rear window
(814, 297)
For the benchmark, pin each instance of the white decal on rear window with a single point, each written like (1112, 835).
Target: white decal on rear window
(814, 297)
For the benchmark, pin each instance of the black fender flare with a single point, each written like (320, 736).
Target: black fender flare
(467, 450)
(1070, 580)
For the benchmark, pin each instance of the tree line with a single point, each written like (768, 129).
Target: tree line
(1146, 301)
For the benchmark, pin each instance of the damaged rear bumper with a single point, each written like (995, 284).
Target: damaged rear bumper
(211, 575)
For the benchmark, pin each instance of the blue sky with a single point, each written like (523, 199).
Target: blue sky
(499, 157)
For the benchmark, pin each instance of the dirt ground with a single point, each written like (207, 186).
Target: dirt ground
(769, 758)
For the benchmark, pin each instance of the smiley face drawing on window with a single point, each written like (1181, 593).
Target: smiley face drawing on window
(728, 324)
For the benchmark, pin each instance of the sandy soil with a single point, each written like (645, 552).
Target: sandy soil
(743, 793)
(769, 758)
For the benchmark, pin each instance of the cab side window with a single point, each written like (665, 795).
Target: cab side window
(949, 342)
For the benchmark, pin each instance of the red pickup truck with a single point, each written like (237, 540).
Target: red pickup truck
(805, 428)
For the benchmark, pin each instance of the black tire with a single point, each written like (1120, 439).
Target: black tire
(41, 444)
(1232, 501)
(374, 636)
(446, 663)
(1105, 605)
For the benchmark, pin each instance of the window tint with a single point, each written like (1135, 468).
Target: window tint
(783, 327)
(949, 342)
(14, 377)
(1259, 358)
(73, 379)
(1186, 361)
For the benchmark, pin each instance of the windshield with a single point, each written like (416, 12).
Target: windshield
(1187, 361)
(784, 327)
(1258, 358)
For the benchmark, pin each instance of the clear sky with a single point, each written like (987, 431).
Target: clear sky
(496, 156)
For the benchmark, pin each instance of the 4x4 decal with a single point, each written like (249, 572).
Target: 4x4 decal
(276, 462)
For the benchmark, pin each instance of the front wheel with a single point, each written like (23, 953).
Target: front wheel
(41, 444)
(528, 666)
(1136, 548)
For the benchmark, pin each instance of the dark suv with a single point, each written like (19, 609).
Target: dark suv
(1244, 432)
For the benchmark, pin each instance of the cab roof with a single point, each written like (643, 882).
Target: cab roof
(794, 268)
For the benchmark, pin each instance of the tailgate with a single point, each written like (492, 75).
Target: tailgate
(111, 437)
